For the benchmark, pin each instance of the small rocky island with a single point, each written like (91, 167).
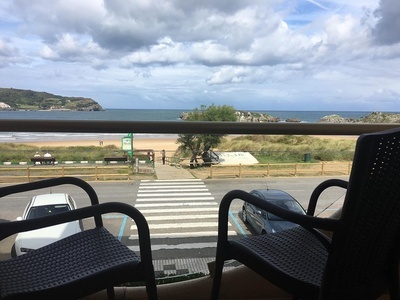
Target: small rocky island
(16, 99)
(375, 117)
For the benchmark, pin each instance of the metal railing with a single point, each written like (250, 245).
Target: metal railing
(177, 127)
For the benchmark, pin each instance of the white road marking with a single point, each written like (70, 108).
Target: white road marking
(183, 234)
(174, 199)
(172, 190)
(166, 187)
(178, 210)
(172, 194)
(175, 204)
(179, 246)
(180, 217)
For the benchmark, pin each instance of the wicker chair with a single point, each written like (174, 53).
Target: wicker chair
(80, 264)
(361, 261)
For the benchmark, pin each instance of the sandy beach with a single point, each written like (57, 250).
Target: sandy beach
(156, 144)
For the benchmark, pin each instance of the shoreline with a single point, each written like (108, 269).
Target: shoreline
(156, 144)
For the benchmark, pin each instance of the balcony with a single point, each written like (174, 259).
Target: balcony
(239, 283)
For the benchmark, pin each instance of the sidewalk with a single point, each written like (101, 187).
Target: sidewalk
(167, 172)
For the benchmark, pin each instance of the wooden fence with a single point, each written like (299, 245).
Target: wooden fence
(31, 173)
(289, 169)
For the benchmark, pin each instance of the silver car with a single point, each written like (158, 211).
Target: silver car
(264, 222)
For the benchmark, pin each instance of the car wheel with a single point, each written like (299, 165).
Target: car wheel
(13, 251)
(244, 215)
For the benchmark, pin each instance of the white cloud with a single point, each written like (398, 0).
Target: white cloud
(282, 51)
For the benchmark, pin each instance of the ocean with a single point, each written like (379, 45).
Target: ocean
(133, 115)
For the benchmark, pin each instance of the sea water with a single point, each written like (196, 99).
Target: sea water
(133, 115)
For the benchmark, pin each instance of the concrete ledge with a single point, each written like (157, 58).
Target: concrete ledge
(238, 283)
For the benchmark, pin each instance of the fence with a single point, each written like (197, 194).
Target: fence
(288, 169)
(31, 173)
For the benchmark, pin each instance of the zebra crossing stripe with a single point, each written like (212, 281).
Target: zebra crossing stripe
(179, 210)
(181, 217)
(173, 190)
(183, 234)
(149, 184)
(171, 180)
(180, 225)
(178, 246)
(168, 187)
(177, 204)
(175, 199)
(172, 194)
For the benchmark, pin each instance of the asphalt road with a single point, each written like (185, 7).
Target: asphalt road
(181, 215)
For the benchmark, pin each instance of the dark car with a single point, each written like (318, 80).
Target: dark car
(264, 222)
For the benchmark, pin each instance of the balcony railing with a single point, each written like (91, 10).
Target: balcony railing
(238, 286)
(181, 127)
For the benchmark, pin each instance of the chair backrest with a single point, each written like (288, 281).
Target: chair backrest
(367, 243)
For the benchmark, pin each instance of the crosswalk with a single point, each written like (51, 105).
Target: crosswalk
(182, 215)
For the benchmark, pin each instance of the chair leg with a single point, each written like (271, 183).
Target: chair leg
(394, 283)
(110, 293)
(151, 289)
(219, 265)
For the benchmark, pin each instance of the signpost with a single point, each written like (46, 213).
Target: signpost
(127, 144)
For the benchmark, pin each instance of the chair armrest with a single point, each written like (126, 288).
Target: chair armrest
(319, 189)
(303, 220)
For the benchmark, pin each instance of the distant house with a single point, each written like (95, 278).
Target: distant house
(4, 106)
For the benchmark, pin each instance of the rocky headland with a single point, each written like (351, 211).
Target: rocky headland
(375, 117)
(17, 99)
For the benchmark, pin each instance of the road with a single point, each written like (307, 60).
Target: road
(182, 214)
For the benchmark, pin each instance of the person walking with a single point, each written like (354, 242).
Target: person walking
(163, 156)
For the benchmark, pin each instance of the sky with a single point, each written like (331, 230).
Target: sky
(181, 54)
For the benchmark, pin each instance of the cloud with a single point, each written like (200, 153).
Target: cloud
(281, 50)
(70, 48)
(387, 29)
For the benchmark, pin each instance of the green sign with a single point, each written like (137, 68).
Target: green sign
(127, 144)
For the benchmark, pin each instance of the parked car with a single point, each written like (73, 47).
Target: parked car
(40, 206)
(264, 222)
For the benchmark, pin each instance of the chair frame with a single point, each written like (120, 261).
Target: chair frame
(145, 266)
(387, 276)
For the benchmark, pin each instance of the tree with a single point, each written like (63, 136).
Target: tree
(200, 143)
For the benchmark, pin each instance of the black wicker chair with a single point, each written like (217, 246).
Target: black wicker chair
(361, 261)
(78, 265)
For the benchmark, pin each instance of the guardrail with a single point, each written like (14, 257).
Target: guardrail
(31, 173)
(287, 169)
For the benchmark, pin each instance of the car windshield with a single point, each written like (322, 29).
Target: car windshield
(45, 210)
(286, 204)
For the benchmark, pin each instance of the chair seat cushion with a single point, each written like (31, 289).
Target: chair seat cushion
(93, 257)
(295, 257)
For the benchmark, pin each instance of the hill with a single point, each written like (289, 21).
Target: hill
(16, 99)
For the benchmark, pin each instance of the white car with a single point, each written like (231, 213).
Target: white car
(40, 206)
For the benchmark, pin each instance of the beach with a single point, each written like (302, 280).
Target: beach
(168, 143)
(156, 144)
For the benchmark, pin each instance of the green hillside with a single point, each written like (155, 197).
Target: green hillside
(16, 99)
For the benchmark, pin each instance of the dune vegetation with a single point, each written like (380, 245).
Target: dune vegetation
(291, 148)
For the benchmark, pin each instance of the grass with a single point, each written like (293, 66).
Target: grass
(17, 152)
(266, 148)
(291, 148)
